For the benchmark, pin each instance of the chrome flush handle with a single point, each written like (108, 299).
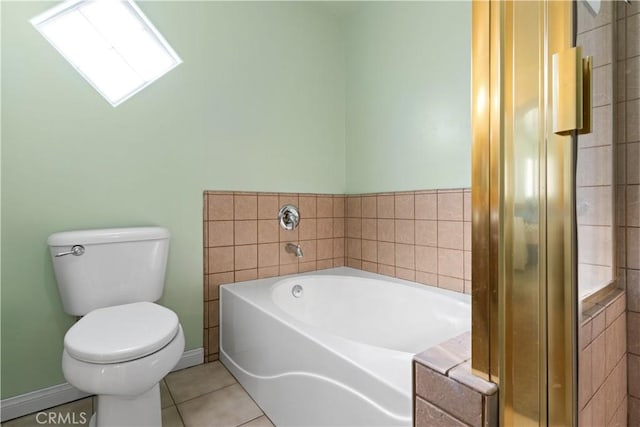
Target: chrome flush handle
(76, 250)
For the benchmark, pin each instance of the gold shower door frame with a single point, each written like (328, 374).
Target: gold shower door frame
(523, 298)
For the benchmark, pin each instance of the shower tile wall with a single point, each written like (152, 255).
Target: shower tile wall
(423, 236)
(607, 362)
(628, 190)
(602, 376)
(446, 393)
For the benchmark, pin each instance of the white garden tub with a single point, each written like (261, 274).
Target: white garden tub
(339, 351)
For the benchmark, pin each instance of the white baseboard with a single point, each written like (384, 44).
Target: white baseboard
(28, 403)
(38, 400)
(190, 358)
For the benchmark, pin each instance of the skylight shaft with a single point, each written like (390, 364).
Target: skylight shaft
(111, 43)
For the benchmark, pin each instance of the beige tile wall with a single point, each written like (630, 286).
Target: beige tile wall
(628, 190)
(609, 360)
(243, 241)
(447, 393)
(602, 374)
(424, 236)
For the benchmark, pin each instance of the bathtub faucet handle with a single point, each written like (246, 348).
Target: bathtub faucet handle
(289, 217)
(294, 249)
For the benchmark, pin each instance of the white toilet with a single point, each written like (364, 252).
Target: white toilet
(125, 344)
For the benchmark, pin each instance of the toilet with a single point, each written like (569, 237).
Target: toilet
(124, 343)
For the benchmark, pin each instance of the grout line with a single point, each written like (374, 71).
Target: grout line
(180, 415)
(250, 397)
(173, 401)
(169, 391)
(210, 392)
(432, 403)
(252, 419)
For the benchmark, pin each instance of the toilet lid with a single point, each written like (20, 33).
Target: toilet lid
(121, 333)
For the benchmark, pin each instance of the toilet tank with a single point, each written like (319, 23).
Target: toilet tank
(117, 266)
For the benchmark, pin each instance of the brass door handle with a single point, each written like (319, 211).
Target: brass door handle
(587, 95)
(572, 87)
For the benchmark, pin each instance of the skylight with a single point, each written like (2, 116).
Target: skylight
(111, 43)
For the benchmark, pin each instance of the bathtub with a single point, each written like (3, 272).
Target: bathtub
(334, 347)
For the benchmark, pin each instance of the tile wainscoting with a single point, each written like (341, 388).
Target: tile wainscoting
(424, 236)
(243, 241)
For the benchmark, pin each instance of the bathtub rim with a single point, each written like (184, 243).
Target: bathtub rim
(352, 272)
(263, 289)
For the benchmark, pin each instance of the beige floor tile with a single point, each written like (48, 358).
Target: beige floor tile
(193, 382)
(262, 421)
(227, 407)
(171, 417)
(76, 413)
(165, 397)
(26, 421)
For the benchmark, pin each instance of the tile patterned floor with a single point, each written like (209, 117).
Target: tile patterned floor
(201, 396)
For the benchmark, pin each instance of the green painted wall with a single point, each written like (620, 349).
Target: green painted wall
(272, 96)
(408, 96)
(258, 104)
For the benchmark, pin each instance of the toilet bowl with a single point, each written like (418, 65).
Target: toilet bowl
(120, 354)
(124, 344)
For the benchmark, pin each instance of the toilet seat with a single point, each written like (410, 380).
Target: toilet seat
(121, 333)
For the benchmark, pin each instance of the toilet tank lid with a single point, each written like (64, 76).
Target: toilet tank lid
(107, 235)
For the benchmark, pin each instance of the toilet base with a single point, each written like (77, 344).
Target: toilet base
(142, 410)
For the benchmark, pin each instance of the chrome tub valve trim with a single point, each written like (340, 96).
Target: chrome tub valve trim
(289, 217)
